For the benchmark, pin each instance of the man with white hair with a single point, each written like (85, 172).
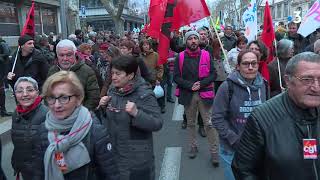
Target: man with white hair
(67, 61)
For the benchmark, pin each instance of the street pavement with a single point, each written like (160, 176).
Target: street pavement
(170, 147)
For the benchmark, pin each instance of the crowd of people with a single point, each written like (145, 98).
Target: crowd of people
(87, 106)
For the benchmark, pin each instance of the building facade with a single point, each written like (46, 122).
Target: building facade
(13, 15)
(92, 13)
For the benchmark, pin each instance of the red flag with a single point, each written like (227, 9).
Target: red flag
(157, 12)
(166, 28)
(268, 34)
(29, 27)
(188, 11)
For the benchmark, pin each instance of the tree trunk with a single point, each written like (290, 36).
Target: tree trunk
(119, 26)
(73, 22)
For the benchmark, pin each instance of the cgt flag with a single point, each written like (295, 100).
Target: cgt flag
(268, 34)
(29, 27)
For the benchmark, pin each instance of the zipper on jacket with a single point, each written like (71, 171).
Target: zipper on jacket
(314, 160)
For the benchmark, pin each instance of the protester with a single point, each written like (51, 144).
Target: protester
(229, 39)
(317, 47)
(233, 53)
(196, 92)
(28, 116)
(79, 37)
(260, 48)
(300, 43)
(218, 65)
(132, 116)
(281, 136)
(30, 62)
(46, 49)
(4, 61)
(84, 54)
(72, 144)
(151, 58)
(285, 53)
(67, 61)
(126, 48)
(237, 96)
(111, 53)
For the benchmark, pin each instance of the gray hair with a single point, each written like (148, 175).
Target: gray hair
(283, 47)
(316, 45)
(72, 37)
(295, 60)
(27, 79)
(66, 43)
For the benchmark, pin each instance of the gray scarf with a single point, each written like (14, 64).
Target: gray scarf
(75, 153)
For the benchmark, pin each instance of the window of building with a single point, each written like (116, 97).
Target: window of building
(9, 23)
(279, 10)
(286, 9)
(49, 20)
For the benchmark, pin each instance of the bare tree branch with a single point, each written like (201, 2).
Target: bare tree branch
(120, 8)
(109, 6)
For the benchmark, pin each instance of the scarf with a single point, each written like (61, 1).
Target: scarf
(33, 106)
(74, 151)
(193, 54)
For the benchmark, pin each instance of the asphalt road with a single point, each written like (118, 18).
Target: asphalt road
(170, 146)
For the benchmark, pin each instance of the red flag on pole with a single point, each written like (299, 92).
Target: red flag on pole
(29, 27)
(177, 14)
(164, 39)
(188, 11)
(157, 12)
(268, 34)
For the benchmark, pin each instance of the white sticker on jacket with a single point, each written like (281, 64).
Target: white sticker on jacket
(109, 146)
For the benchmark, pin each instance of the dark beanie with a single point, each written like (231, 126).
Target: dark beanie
(23, 39)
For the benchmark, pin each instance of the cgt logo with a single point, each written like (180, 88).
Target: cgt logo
(310, 149)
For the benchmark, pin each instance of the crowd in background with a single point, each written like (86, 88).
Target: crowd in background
(99, 99)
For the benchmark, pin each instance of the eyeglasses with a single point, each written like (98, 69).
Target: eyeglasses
(111, 108)
(61, 99)
(255, 49)
(27, 91)
(308, 81)
(247, 64)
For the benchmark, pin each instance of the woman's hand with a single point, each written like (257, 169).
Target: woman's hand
(104, 100)
(131, 108)
(10, 75)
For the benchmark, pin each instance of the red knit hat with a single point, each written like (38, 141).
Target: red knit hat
(103, 46)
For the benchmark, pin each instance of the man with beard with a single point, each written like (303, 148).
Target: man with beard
(300, 43)
(195, 86)
(30, 62)
(229, 40)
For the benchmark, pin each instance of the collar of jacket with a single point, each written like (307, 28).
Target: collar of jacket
(300, 115)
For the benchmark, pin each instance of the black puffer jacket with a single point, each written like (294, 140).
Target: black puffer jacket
(23, 134)
(271, 146)
(102, 165)
(132, 136)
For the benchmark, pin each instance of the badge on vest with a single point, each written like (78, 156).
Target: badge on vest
(310, 149)
(60, 161)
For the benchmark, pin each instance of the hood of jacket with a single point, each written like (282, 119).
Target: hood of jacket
(256, 85)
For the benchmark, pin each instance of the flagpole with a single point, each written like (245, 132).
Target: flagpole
(279, 70)
(228, 68)
(15, 60)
